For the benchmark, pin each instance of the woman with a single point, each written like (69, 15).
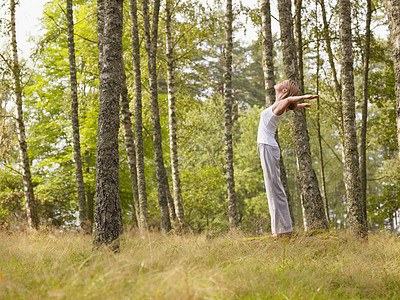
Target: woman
(286, 99)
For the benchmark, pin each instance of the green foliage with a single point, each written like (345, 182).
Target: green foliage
(383, 207)
(199, 46)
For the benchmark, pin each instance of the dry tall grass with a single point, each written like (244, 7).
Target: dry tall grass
(63, 266)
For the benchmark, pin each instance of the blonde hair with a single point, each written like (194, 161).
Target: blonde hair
(292, 89)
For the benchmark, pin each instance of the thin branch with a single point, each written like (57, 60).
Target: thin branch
(62, 28)
(8, 167)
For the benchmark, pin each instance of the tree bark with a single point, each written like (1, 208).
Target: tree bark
(178, 201)
(364, 117)
(269, 79)
(232, 205)
(75, 119)
(351, 165)
(393, 12)
(143, 220)
(100, 30)
(299, 43)
(129, 142)
(30, 203)
(267, 52)
(108, 219)
(164, 197)
(321, 156)
(312, 201)
(338, 88)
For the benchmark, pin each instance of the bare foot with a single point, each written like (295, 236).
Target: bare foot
(281, 235)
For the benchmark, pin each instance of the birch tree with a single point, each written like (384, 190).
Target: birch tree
(30, 203)
(393, 12)
(319, 135)
(142, 209)
(352, 181)
(164, 197)
(129, 141)
(178, 201)
(75, 119)
(232, 205)
(364, 117)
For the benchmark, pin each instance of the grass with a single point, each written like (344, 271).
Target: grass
(326, 266)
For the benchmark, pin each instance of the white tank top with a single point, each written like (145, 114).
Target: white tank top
(269, 122)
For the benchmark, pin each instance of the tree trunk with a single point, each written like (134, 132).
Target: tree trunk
(351, 165)
(363, 139)
(143, 220)
(393, 12)
(30, 203)
(299, 43)
(269, 78)
(267, 52)
(312, 200)
(164, 197)
(338, 88)
(100, 30)
(178, 201)
(108, 219)
(129, 142)
(75, 119)
(327, 38)
(90, 208)
(321, 156)
(232, 205)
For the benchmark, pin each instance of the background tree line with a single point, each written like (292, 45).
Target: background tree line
(183, 99)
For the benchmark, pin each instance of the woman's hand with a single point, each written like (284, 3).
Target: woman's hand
(281, 106)
(299, 98)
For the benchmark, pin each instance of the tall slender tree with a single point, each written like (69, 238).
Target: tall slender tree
(164, 196)
(30, 203)
(299, 43)
(75, 119)
(178, 201)
(331, 58)
(232, 205)
(313, 208)
(364, 117)
(393, 12)
(351, 165)
(108, 219)
(319, 135)
(141, 179)
(269, 82)
(129, 141)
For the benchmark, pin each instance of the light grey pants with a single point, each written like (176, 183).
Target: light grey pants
(277, 201)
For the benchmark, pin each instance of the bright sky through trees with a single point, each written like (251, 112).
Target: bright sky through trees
(29, 11)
